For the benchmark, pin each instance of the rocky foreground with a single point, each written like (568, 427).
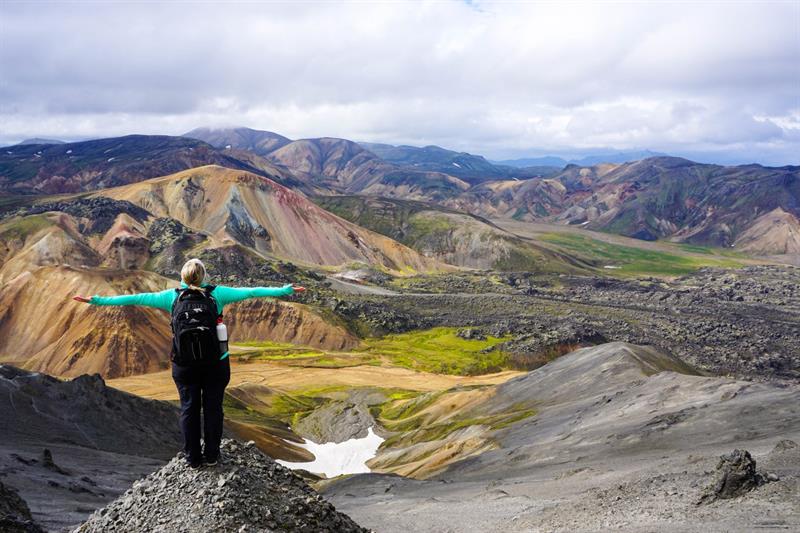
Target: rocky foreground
(247, 492)
(69, 447)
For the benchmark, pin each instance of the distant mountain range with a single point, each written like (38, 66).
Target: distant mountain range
(471, 168)
(749, 206)
(341, 166)
(657, 198)
(257, 141)
(554, 161)
(37, 140)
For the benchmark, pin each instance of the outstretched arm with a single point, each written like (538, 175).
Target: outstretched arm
(160, 300)
(228, 295)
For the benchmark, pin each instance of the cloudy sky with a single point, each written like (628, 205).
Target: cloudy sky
(716, 81)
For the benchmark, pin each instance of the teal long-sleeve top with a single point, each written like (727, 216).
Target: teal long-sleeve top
(222, 294)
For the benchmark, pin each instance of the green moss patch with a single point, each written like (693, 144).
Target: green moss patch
(20, 228)
(412, 429)
(440, 350)
(630, 261)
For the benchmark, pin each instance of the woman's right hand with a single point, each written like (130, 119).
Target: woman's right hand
(82, 299)
(298, 288)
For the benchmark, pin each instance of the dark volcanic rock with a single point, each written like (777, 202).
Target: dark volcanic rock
(166, 232)
(47, 462)
(169, 241)
(99, 213)
(736, 474)
(378, 316)
(236, 264)
(83, 411)
(248, 491)
(15, 517)
(743, 323)
(471, 334)
(70, 447)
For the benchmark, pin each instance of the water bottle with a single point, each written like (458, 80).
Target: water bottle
(222, 336)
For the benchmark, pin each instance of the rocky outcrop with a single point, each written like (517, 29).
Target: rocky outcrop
(247, 492)
(735, 475)
(341, 419)
(124, 245)
(169, 242)
(15, 517)
(237, 265)
(378, 316)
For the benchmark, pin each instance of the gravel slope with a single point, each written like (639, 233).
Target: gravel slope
(620, 442)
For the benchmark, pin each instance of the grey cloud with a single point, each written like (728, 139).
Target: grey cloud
(493, 78)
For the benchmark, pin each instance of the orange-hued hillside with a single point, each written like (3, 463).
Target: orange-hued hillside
(238, 206)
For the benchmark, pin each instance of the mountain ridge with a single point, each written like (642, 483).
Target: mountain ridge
(100, 163)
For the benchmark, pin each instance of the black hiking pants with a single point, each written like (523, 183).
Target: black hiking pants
(202, 387)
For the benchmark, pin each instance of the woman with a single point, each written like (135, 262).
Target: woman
(198, 385)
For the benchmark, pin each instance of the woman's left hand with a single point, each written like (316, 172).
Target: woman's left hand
(298, 288)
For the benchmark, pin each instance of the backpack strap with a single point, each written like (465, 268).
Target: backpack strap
(208, 290)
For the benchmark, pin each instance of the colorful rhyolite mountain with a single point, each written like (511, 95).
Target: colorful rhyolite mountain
(233, 206)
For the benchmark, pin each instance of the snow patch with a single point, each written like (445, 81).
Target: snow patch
(336, 459)
(612, 267)
(69, 151)
(456, 164)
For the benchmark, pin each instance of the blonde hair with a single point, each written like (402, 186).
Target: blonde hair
(193, 273)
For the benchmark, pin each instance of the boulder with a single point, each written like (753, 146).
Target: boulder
(735, 475)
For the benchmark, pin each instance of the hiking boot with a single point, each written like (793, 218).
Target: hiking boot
(194, 465)
(213, 461)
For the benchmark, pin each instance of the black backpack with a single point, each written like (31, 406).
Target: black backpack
(194, 327)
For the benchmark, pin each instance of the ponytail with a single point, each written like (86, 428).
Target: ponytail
(193, 274)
